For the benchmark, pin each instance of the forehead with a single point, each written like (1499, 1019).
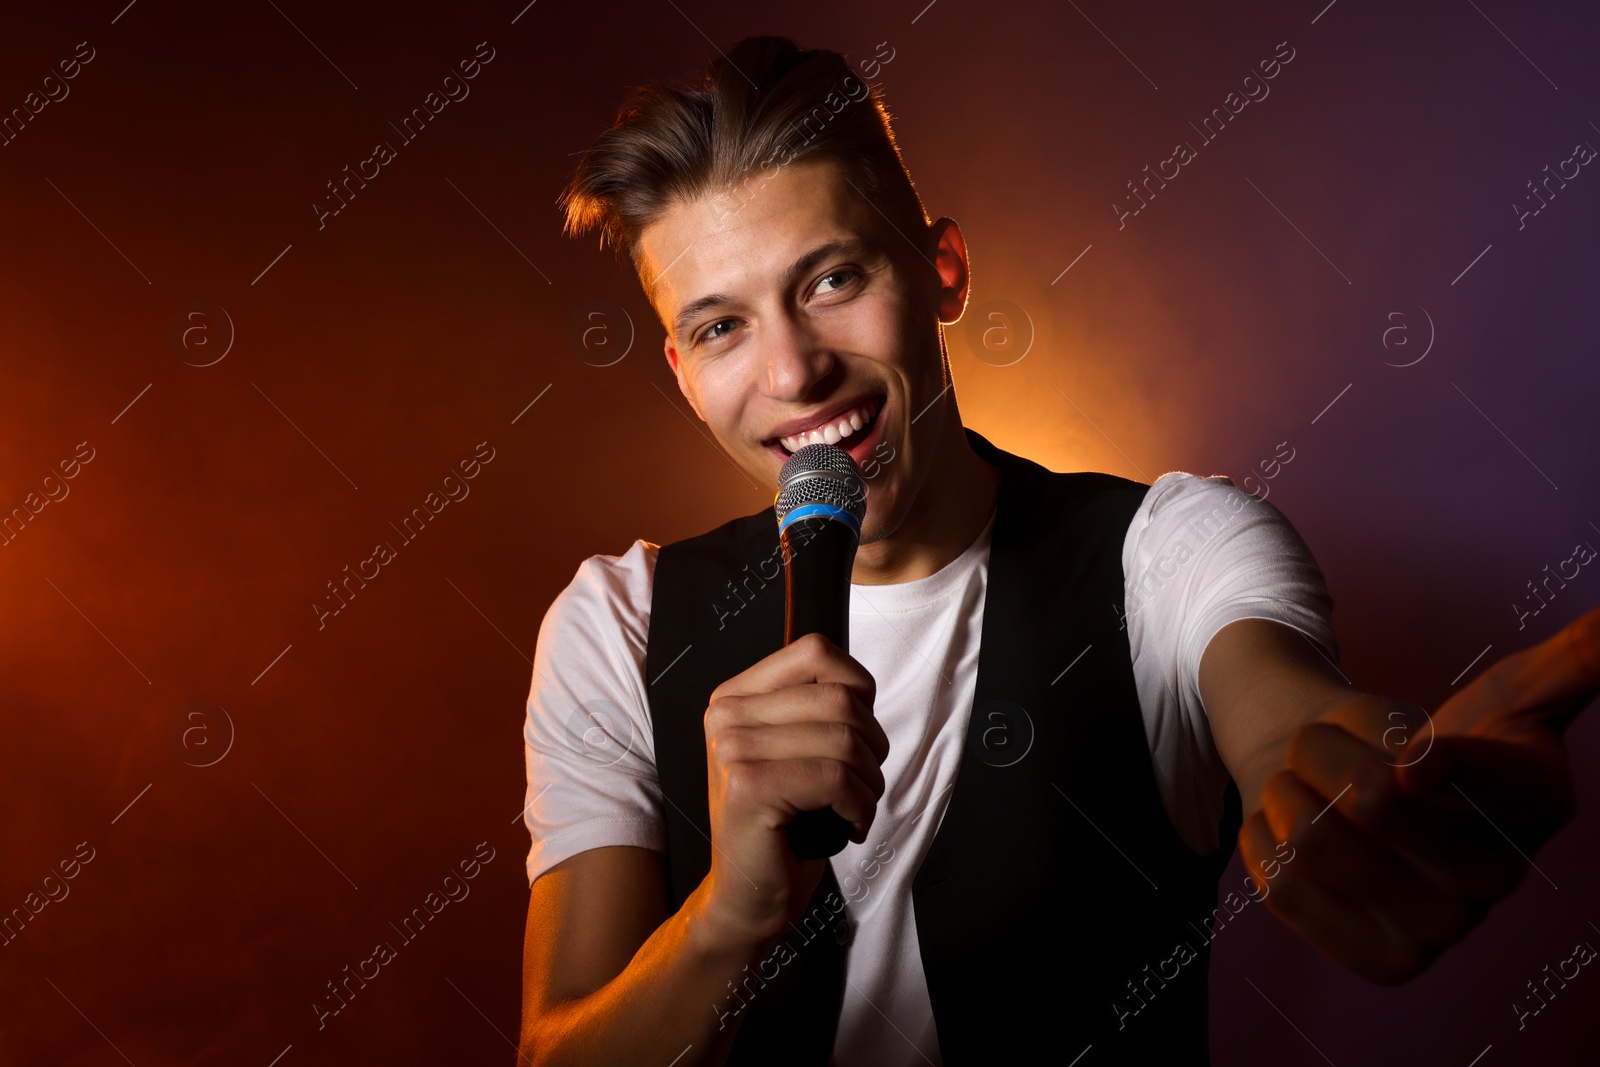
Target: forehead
(735, 241)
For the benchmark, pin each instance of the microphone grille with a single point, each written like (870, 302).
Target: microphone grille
(822, 474)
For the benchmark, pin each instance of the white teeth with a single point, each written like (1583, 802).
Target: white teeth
(833, 433)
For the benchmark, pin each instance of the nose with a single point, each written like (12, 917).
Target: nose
(799, 364)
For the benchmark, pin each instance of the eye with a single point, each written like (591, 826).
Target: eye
(709, 334)
(843, 272)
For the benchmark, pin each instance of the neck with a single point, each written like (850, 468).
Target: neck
(956, 500)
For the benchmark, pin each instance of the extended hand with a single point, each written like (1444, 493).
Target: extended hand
(1405, 831)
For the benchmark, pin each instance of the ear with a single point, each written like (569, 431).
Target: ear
(950, 262)
(677, 372)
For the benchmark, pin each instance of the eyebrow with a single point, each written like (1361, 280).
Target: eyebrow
(804, 265)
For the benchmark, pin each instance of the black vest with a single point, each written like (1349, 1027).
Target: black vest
(1056, 888)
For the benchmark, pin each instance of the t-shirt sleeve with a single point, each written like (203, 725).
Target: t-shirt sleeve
(1199, 554)
(589, 749)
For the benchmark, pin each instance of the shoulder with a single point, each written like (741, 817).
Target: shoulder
(1181, 490)
(1202, 552)
(1182, 507)
(593, 637)
(605, 587)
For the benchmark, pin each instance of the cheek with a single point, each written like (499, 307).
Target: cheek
(725, 394)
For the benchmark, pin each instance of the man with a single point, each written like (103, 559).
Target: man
(1067, 695)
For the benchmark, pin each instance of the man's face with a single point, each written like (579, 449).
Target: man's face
(794, 314)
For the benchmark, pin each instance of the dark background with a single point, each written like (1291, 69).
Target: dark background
(368, 357)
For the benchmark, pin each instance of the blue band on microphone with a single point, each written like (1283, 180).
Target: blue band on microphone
(821, 511)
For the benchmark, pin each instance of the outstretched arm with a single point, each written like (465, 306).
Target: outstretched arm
(1405, 827)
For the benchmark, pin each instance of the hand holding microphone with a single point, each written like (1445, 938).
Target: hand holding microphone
(793, 752)
(822, 502)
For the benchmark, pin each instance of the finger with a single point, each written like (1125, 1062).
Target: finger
(781, 789)
(801, 740)
(1344, 859)
(1437, 835)
(830, 701)
(1356, 779)
(1340, 930)
(809, 659)
(1352, 931)
(1346, 771)
(824, 702)
(1538, 688)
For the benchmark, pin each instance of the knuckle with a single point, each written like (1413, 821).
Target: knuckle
(838, 696)
(839, 773)
(729, 746)
(1303, 838)
(738, 782)
(841, 739)
(814, 645)
(1375, 795)
(719, 712)
(835, 774)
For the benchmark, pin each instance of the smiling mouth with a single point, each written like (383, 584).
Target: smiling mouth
(844, 431)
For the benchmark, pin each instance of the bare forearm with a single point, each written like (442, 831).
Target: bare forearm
(670, 1005)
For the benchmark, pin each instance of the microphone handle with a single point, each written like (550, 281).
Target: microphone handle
(816, 835)
(818, 555)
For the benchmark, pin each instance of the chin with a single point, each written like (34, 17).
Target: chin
(885, 512)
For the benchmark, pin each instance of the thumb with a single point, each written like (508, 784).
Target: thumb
(1537, 689)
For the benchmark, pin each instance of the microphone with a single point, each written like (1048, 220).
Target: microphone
(821, 504)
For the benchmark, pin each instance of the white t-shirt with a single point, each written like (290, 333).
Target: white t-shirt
(1199, 553)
